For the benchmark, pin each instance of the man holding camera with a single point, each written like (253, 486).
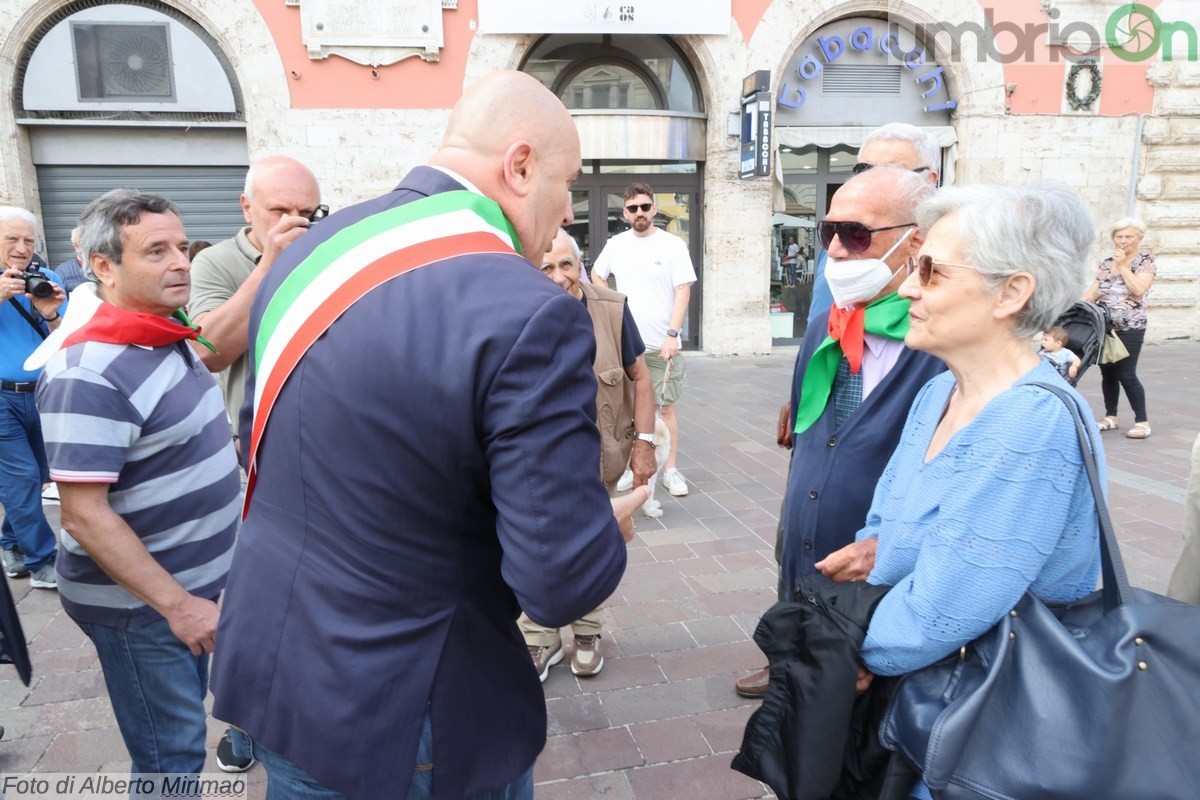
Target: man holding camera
(281, 198)
(30, 305)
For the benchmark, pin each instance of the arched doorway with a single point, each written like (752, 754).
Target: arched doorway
(149, 101)
(641, 118)
(846, 79)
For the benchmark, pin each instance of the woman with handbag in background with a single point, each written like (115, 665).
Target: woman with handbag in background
(983, 446)
(1121, 284)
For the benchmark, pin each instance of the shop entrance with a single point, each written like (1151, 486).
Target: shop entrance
(811, 176)
(598, 199)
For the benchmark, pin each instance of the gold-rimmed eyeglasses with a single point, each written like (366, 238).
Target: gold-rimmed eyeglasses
(923, 266)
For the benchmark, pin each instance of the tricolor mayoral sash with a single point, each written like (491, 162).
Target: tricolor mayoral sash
(347, 266)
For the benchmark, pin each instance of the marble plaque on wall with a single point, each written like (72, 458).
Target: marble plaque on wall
(372, 33)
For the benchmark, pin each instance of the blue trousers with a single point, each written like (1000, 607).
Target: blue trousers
(23, 470)
(286, 781)
(156, 687)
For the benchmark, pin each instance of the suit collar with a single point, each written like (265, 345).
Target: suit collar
(428, 180)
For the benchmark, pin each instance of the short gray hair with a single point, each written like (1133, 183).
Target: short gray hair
(15, 213)
(75, 234)
(103, 221)
(574, 245)
(1043, 229)
(928, 152)
(1127, 222)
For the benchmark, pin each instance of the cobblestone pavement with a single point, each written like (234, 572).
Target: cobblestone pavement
(661, 721)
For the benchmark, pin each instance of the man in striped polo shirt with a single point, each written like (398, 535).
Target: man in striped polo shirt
(137, 439)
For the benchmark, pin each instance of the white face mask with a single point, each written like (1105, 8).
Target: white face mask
(853, 283)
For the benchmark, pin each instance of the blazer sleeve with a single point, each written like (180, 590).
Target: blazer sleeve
(563, 554)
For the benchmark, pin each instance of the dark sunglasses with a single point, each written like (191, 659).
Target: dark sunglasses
(923, 266)
(854, 236)
(320, 212)
(645, 207)
(863, 166)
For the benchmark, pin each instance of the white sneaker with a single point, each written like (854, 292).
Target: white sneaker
(675, 484)
(626, 482)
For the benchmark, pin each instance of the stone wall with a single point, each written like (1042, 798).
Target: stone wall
(359, 153)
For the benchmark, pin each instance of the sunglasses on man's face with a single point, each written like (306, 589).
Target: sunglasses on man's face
(854, 236)
(923, 266)
(645, 207)
(863, 166)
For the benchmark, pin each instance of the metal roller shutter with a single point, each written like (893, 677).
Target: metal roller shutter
(208, 197)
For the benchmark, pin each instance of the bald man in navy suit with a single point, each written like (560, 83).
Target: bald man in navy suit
(417, 474)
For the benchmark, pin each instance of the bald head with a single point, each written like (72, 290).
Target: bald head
(277, 186)
(512, 138)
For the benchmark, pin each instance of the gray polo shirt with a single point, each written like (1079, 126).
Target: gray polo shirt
(217, 273)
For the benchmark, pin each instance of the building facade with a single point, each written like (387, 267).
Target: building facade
(179, 96)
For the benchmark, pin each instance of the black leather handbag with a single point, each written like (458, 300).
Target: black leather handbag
(1096, 699)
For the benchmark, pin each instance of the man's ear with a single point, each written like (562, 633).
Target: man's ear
(914, 242)
(519, 167)
(246, 208)
(1015, 293)
(102, 268)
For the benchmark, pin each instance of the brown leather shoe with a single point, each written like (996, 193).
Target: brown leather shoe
(754, 685)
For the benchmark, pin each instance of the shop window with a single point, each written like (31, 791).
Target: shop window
(615, 72)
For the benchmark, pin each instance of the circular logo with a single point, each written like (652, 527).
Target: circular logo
(1132, 32)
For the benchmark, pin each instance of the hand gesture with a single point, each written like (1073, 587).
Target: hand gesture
(282, 234)
(624, 506)
(49, 306)
(853, 562)
(12, 284)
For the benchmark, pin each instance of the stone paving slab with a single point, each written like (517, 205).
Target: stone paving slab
(661, 721)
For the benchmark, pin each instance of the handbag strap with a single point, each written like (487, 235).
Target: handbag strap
(1116, 583)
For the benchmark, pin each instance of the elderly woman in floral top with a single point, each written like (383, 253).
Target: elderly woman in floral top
(1122, 283)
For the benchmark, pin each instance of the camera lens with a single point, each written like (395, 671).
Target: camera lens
(38, 286)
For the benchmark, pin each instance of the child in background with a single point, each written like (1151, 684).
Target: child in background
(1054, 350)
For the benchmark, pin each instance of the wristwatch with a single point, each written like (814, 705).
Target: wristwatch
(672, 332)
(648, 438)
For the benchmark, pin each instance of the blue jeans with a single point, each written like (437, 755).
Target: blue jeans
(22, 472)
(156, 687)
(286, 781)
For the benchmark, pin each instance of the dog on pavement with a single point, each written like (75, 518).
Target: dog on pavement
(662, 448)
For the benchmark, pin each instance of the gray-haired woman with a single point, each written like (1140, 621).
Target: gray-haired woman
(983, 445)
(1121, 284)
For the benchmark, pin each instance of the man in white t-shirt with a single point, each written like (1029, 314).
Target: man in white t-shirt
(654, 271)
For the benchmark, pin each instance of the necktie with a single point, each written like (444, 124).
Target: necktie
(847, 392)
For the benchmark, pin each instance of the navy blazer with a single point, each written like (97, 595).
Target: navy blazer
(421, 480)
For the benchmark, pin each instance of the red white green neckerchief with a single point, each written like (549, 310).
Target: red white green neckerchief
(114, 325)
(886, 317)
(349, 265)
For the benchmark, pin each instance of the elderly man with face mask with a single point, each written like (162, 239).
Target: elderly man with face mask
(853, 384)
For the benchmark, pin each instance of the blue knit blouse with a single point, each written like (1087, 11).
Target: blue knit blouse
(1004, 507)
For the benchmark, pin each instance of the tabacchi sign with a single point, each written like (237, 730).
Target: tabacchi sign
(883, 44)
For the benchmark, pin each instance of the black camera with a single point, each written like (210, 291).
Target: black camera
(36, 283)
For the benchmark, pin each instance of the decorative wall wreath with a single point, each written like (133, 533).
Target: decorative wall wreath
(1074, 100)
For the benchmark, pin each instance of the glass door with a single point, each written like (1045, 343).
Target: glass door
(677, 195)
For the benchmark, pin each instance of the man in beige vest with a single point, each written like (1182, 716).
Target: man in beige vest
(625, 416)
